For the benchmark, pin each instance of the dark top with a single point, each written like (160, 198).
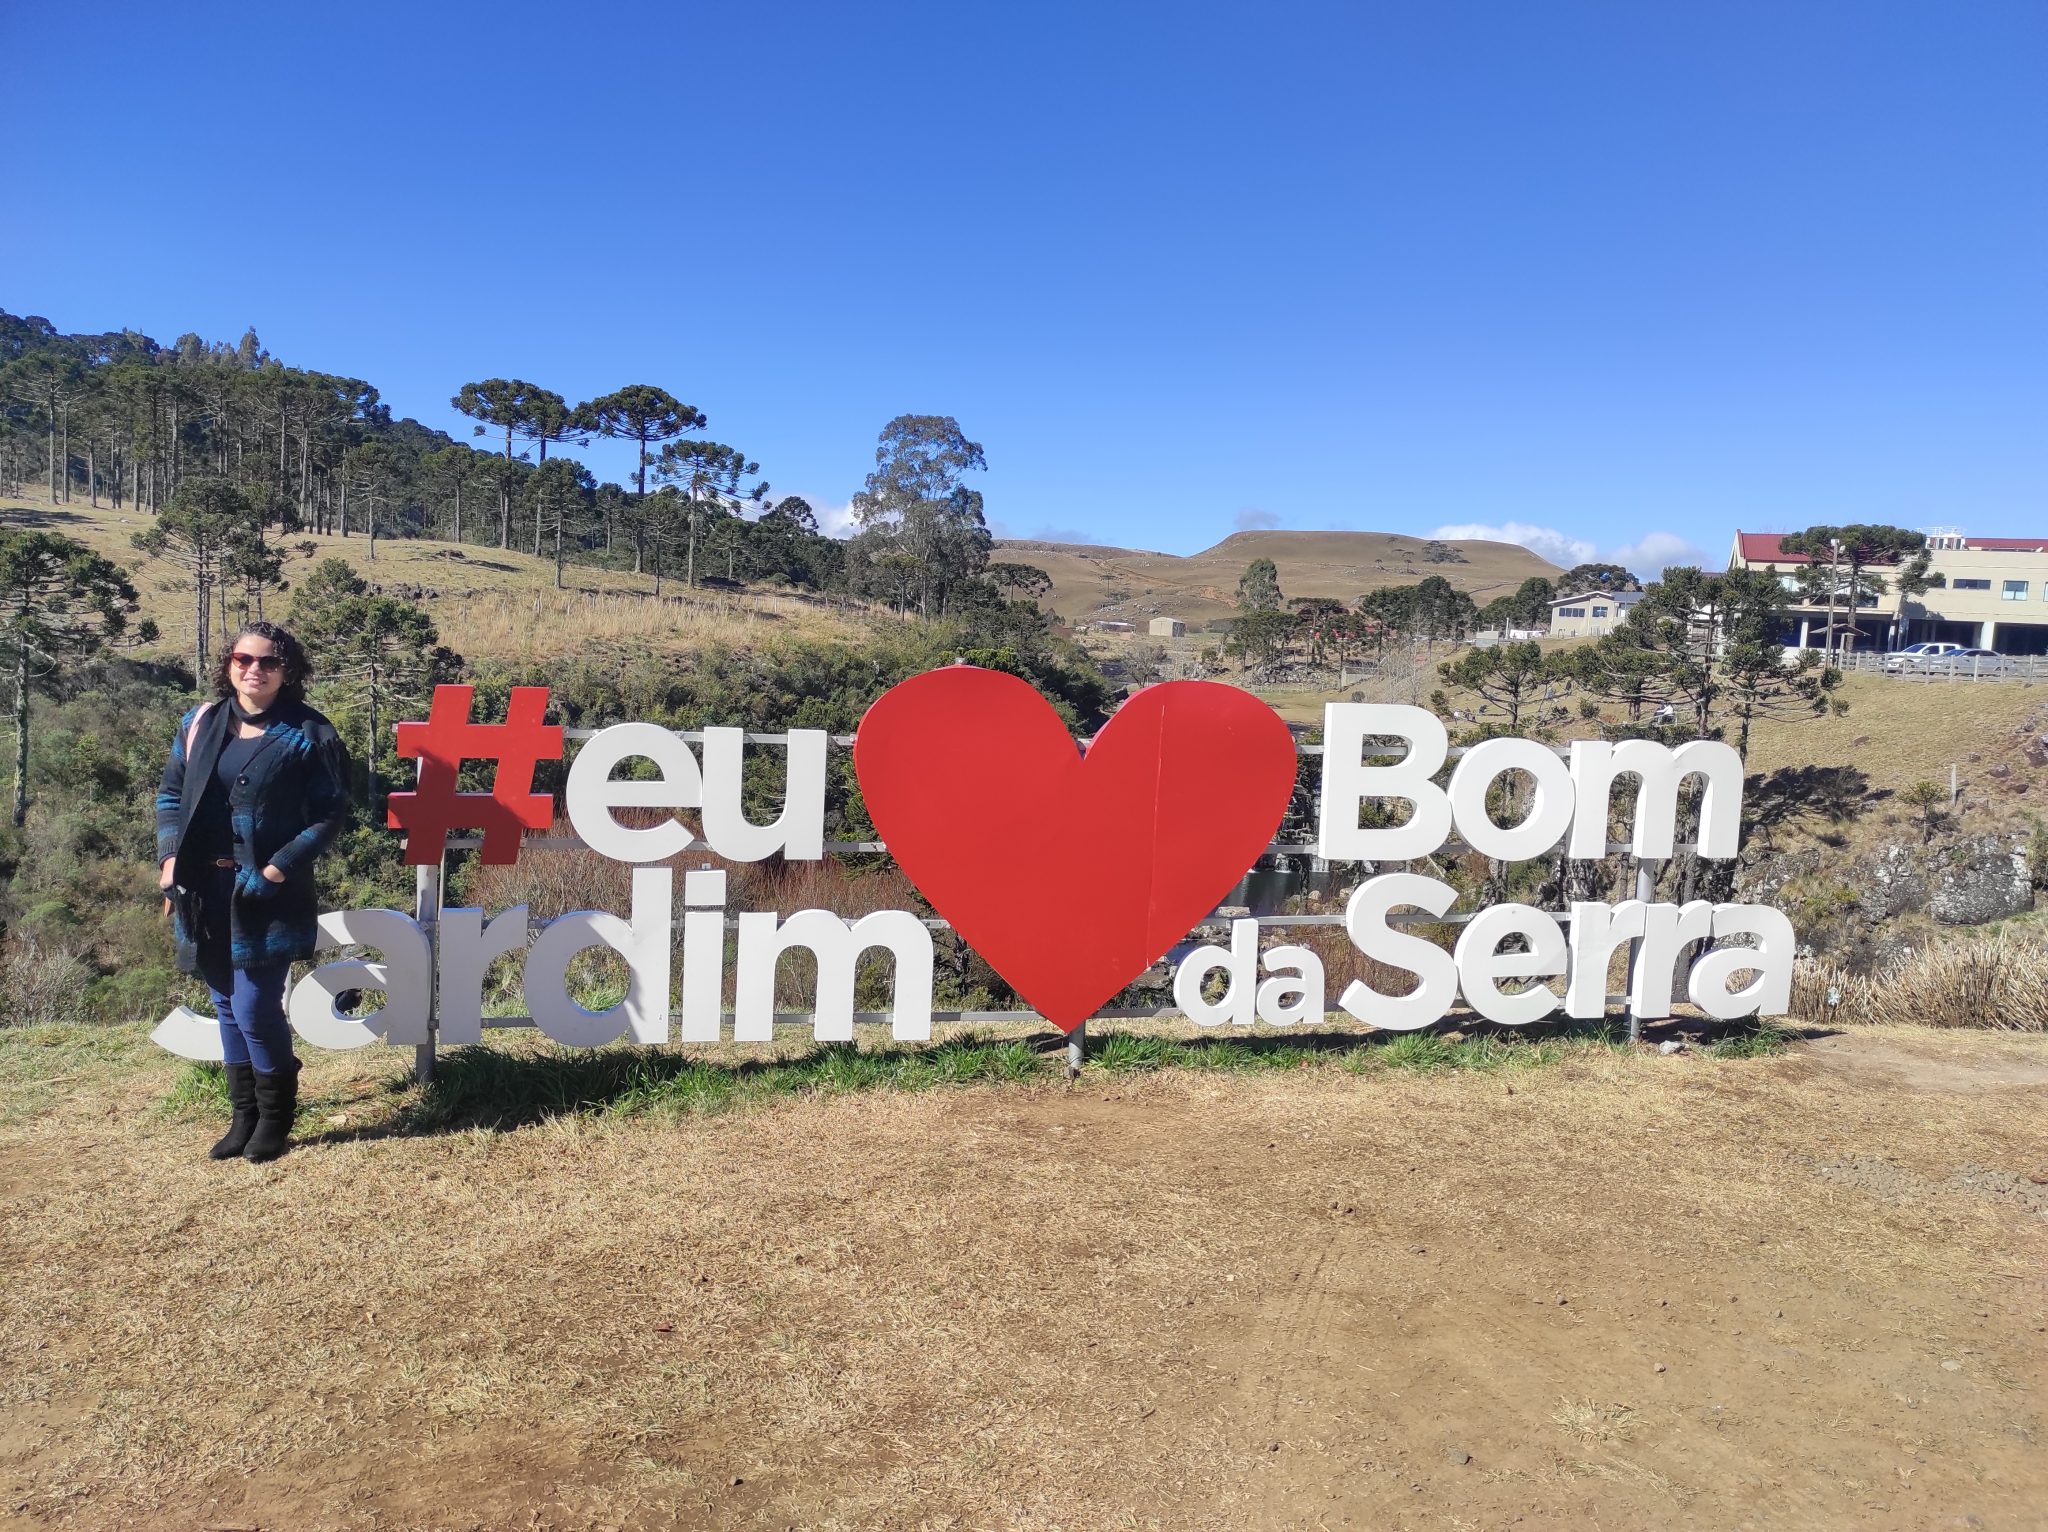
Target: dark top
(286, 805)
(212, 834)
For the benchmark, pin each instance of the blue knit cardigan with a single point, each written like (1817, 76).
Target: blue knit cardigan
(286, 807)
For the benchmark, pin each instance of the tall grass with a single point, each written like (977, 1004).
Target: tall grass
(2000, 983)
(543, 623)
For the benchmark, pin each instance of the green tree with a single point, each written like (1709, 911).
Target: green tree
(1258, 588)
(1704, 645)
(52, 379)
(715, 481)
(1260, 637)
(1581, 578)
(1025, 580)
(1927, 800)
(916, 504)
(1344, 634)
(642, 414)
(1529, 606)
(1841, 572)
(1391, 610)
(377, 472)
(450, 471)
(1745, 609)
(1315, 621)
(208, 531)
(519, 409)
(787, 545)
(1441, 610)
(498, 404)
(376, 654)
(1509, 676)
(562, 493)
(59, 601)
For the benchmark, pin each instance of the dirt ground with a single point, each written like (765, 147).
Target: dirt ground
(1623, 1292)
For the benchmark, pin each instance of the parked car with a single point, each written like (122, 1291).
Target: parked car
(1913, 656)
(1971, 662)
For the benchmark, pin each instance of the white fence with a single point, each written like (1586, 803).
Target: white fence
(2023, 668)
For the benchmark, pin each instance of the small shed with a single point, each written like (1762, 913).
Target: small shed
(1168, 627)
(1115, 627)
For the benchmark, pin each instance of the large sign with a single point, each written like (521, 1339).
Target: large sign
(1072, 870)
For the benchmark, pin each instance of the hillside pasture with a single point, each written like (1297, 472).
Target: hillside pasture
(487, 602)
(1096, 583)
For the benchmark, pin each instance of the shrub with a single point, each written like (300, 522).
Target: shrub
(42, 985)
(2000, 984)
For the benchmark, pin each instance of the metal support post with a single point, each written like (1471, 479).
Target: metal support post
(1077, 1048)
(1646, 890)
(427, 911)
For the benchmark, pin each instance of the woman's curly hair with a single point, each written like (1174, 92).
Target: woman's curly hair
(297, 668)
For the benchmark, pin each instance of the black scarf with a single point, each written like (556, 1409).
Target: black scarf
(243, 715)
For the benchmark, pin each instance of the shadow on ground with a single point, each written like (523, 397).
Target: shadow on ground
(494, 1089)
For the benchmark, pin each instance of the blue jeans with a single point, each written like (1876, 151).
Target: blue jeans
(248, 1001)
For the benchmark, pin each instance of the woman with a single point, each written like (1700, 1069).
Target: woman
(256, 788)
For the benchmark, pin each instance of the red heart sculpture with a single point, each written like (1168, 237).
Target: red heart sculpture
(1071, 874)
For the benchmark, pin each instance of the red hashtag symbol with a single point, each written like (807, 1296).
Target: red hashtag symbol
(443, 743)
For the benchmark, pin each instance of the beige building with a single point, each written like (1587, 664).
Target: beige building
(1590, 614)
(1993, 595)
(1167, 627)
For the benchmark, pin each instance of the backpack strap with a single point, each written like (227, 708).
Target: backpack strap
(192, 733)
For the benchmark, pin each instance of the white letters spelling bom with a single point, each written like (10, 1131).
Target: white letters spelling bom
(1569, 806)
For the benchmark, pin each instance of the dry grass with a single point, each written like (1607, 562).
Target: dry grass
(487, 602)
(1592, 1421)
(1131, 585)
(2000, 983)
(551, 624)
(1168, 1300)
(1902, 732)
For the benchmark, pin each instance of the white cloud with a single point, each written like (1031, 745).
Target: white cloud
(1647, 558)
(1545, 542)
(1252, 519)
(1657, 552)
(833, 520)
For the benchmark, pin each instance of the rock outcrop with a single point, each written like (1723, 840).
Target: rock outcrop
(1985, 878)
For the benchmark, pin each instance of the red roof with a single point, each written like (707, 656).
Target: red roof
(1768, 547)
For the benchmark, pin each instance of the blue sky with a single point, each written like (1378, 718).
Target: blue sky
(1616, 277)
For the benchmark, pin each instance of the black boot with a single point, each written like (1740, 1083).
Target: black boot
(242, 1097)
(277, 1098)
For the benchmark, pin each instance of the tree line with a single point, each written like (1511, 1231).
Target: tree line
(232, 451)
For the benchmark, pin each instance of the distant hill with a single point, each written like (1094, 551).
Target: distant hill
(1092, 583)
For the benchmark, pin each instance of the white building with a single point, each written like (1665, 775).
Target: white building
(1591, 613)
(1993, 595)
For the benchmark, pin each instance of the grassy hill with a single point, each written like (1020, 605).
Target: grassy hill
(1094, 583)
(488, 602)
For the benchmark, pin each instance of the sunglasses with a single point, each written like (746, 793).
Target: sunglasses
(263, 662)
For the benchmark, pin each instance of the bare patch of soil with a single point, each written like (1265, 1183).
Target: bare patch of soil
(1930, 1059)
(1623, 1292)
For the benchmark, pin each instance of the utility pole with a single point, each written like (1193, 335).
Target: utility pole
(1834, 593)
